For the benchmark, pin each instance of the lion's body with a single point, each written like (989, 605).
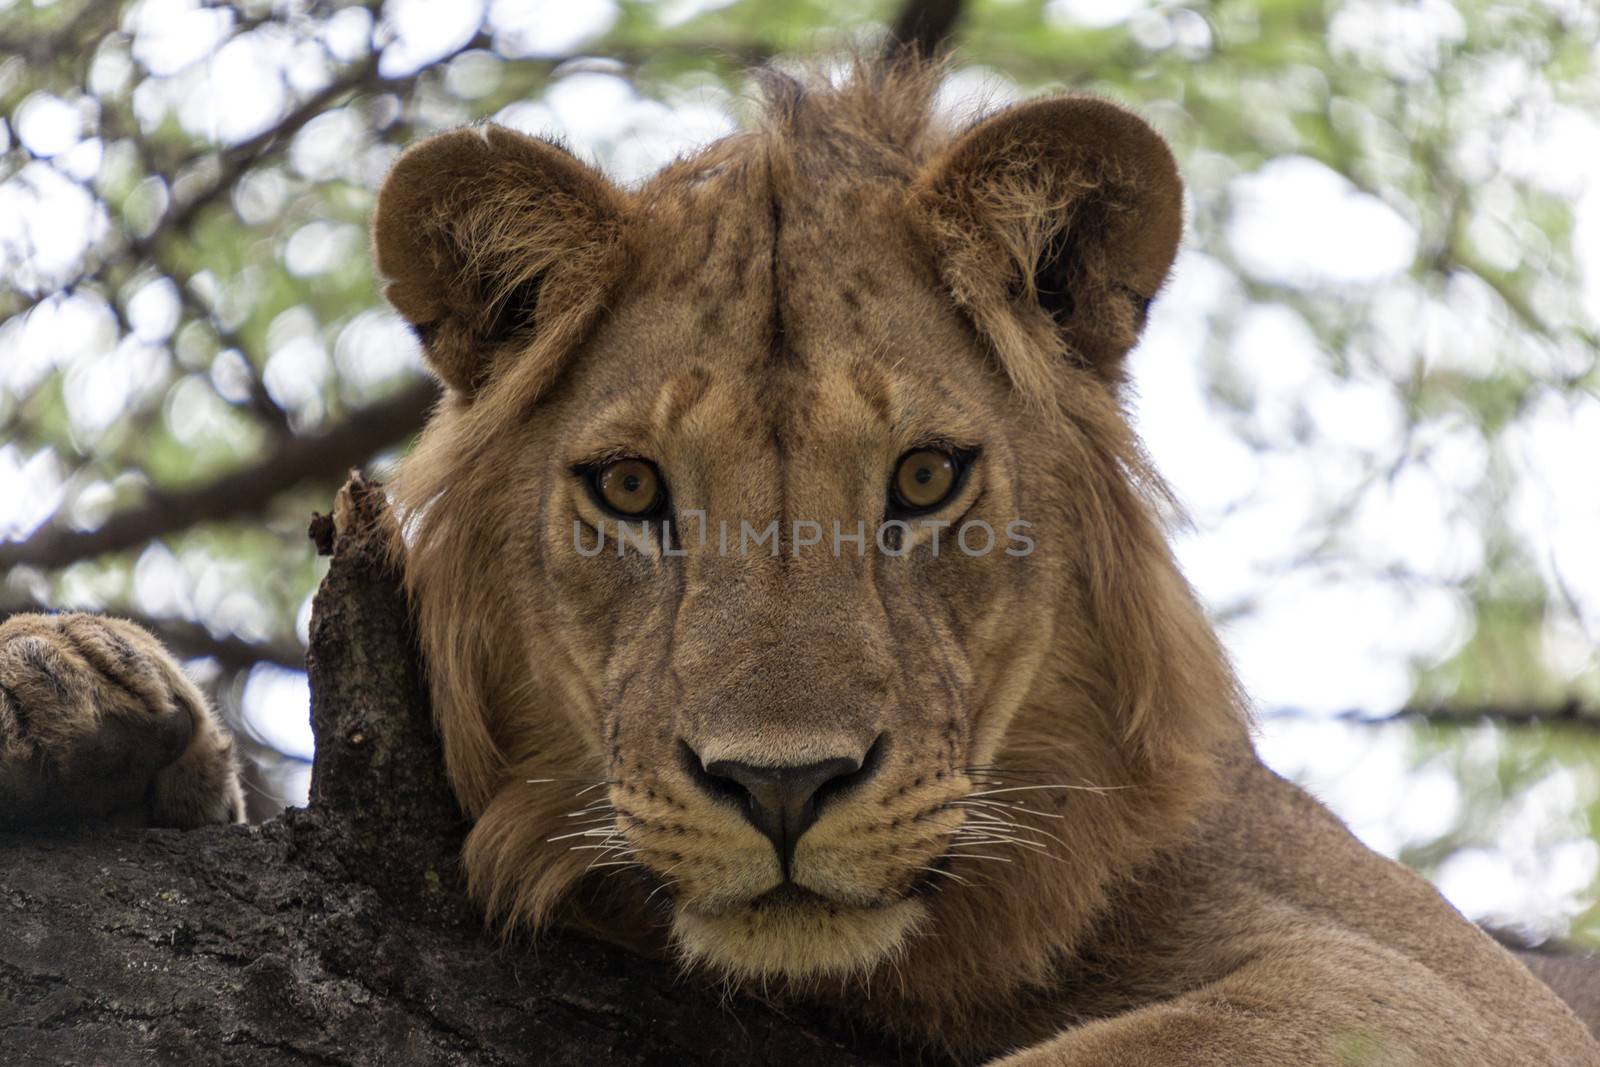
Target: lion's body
(1271, 935)
(1043, 826)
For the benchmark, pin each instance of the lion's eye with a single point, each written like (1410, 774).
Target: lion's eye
(630, 487)
(925, 479)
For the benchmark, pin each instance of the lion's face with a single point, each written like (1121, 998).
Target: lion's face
(779, 541)
(798, 581)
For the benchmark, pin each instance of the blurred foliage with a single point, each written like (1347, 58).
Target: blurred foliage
(184, 286)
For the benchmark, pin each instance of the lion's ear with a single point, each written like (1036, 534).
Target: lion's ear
(487, 237)
(1056, 222)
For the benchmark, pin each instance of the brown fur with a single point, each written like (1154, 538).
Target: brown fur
(98, 722)
(772, 322)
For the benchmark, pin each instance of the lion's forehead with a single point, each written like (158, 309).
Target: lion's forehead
(772, 322)
(770, 264)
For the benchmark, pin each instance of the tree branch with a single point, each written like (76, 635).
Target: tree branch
(235, 161)
(258, 399)
(1571, 713)
(191, 640)
(922, 26)
(240, 494)
(76, 35)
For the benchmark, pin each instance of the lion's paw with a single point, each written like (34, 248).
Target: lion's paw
(98, 722)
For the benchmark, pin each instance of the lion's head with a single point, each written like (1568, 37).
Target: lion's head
(782, 539)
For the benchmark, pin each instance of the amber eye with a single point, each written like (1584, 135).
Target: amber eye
(925, 479)
(629, 487)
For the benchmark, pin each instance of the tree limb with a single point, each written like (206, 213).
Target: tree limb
(239, 494)
(922, 27)
(191, 640)
(74, 36)
(1571, 713)
(233, 162)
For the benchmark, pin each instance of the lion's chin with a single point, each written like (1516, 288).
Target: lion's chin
(795, 937)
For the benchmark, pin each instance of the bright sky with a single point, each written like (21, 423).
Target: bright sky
(1320, 641)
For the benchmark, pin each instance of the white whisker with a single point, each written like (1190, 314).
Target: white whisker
(1020, 828)
(665, 883)
(999, 839)
(1004, 805)
(598, 832)
(1026, 788)
(593, 817)
(947, 874)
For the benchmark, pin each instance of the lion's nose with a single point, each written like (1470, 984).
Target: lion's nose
(783, 801)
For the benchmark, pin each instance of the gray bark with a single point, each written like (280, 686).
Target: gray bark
(337, 934)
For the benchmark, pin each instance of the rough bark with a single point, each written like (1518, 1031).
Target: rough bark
(337, 934)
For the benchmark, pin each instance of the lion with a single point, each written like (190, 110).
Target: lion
(797, 605)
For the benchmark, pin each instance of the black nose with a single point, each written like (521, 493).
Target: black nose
(782, 802)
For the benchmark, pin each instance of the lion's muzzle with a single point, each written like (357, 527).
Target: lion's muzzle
(782, 801)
